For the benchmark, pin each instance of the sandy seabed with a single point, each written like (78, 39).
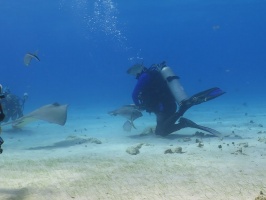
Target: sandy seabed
(45, 161)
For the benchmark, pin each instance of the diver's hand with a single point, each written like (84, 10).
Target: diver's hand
(2, 116)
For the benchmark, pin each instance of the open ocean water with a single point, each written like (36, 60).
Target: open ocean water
(85, 47)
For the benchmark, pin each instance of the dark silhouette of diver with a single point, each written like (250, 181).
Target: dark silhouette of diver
(2, 116)
(158, 90)
(13, 105)
(11, 108)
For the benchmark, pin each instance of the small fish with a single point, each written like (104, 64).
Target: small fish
(130, 112)
(135, 69)
(29, 56)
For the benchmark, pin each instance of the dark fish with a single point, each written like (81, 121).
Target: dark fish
(130, 112)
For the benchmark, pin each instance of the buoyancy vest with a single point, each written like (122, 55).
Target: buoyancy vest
(156, 91)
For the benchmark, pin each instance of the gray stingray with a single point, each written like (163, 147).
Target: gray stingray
(29, 56)
(68, 142)
(53, 113)
(130, 112)
(62, 144)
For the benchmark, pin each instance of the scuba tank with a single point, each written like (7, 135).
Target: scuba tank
(173, 83)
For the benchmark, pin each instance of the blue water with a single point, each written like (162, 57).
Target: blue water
(85, 47)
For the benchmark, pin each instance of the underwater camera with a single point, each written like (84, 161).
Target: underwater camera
(1, 142)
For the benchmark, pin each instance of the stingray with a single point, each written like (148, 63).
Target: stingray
(130, 112)
(62, 144)
(68, 142)
(29, 56)
(53, 113)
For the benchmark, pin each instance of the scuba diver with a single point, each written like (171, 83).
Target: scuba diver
(13, 105)
(157, 91)
(2, 116)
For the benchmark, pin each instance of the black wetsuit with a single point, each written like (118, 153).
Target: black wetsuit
(152, 94)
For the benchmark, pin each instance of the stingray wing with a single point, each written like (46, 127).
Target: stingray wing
(27, 59)
(53, 113)
(23, 121)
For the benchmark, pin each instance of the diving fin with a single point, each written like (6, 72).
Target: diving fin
(203, 97)
(188, 123)
(199, 98)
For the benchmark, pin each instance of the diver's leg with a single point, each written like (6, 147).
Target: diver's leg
(166, 118)
(166, 125)
(160, 126)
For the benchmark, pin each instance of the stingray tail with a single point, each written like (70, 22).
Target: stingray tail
(132, 124)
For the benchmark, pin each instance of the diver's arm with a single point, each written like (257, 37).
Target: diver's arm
(141, 84)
